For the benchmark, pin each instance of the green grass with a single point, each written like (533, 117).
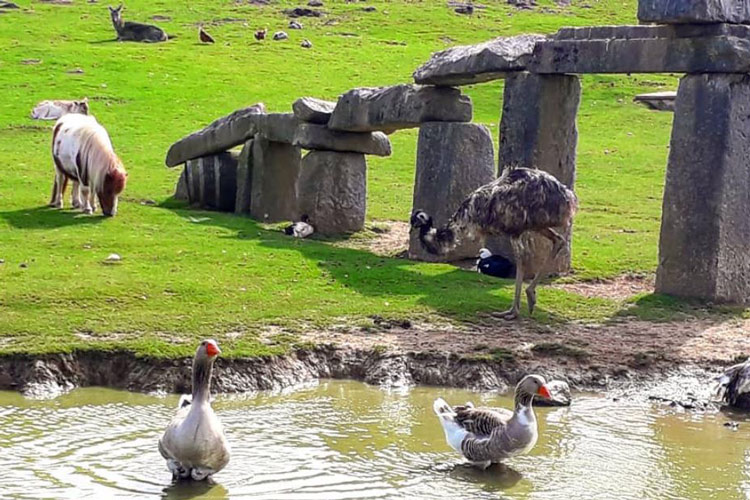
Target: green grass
(180, 280)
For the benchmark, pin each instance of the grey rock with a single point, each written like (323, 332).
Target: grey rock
(302, 12)
(560, 392)
(280, 35)
(538, 130)
(310, 109)
(468, 64)
(278, 127)
(244, 179)
(705, 228)
(453, 159)
(221, 135)
(315, 3)
(333, 191)
(645, 49)
(8, 5)
(212, 181)
(320, 137)
(181, 190)
(694, 11)
(659, 101)
(402, 106)
(275, 171)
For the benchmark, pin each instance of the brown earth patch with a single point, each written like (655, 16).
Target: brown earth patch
(620, 288)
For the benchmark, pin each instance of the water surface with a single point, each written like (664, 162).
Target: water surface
(342, 439)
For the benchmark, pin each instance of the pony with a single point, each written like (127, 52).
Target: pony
(52, 110)
(82, 152)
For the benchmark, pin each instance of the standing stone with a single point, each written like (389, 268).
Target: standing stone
(276, 165)
(453, 159)
(333, 191)
(181, 191)
(212, 181)
(694, 11)
(538, 130)
(244, 179)
(401, 106)
(705, 230)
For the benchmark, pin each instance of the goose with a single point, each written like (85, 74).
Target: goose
(193, 443)
(485, 436)
(494, 265)
(301, 229)
(734, 385)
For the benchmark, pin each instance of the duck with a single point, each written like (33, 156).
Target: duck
(260, 34)
(194, 444)
(301, 229)
(486, 435)
(204, 36)
(294, 25)
(280, 35)
(495, 265)
(306, 44)
(734, 385)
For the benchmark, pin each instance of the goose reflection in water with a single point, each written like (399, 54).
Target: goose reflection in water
(195, 490)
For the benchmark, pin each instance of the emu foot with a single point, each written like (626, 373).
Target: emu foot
(508, 315)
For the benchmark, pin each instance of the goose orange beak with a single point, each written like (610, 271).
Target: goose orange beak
(544, 392)
(212, 349)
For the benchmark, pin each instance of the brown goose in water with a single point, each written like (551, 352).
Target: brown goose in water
(194, 443)
(485, 436)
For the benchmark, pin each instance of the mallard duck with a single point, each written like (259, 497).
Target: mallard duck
(194, 444)
(734, 385)
(485, 436)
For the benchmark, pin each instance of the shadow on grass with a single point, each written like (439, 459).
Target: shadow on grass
(657, 307)
(47, 218)
(446, 290)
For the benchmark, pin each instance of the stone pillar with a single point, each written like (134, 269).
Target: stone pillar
(333, 191)
(276, 165)
(181, 191)
(212, 181)
(538, 130)
(704, 247)
(453, 159)
(244, 179)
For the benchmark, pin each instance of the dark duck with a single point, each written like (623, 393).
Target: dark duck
(495, 265)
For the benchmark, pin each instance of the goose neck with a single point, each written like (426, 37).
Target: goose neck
(202, 370)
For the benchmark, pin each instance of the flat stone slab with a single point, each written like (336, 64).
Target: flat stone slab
(694, 11)
(719, 48)
(278, 127)
(468, 64)
(659, 101)
(310, 109)
(221, 135)
(388, 109)
(321, 138)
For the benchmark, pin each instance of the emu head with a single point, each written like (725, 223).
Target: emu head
(116, 14)
(420, 220)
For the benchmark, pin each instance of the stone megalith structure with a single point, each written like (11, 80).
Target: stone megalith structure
(211, 181)
(453, 159)
(274, 174)
(704, 247)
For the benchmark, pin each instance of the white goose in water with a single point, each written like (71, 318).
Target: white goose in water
(485, 436)
(194, 443)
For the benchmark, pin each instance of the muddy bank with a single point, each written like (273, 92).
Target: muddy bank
(48, 375)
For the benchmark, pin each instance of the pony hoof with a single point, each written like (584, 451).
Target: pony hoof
(55, 205)
(88, 211)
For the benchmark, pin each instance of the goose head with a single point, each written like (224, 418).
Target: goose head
(207, 350)
(533, 385)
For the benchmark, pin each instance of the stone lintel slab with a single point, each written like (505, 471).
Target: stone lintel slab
(684, 51)
(694, 11)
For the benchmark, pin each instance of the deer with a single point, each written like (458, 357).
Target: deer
(128, 31)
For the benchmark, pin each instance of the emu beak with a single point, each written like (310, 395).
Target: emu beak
(544, 392)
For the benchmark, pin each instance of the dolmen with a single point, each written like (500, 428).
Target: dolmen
(309, 162)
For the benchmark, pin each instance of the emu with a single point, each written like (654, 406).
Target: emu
(519, 202)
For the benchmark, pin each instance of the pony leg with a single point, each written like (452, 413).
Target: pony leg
(58, 188)
(75, 196)
(86, 199)
(558, 243)
(92, 200)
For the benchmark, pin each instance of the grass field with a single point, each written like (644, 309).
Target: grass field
(178, 279)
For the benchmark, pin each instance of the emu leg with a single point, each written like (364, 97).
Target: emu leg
(518, 251)
(558, 242)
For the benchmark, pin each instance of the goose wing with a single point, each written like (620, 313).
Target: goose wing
(167, 440)
(481, 421)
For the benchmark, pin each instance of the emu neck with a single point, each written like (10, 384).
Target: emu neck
(202, 370)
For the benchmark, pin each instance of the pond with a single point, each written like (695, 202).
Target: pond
(343, 439)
